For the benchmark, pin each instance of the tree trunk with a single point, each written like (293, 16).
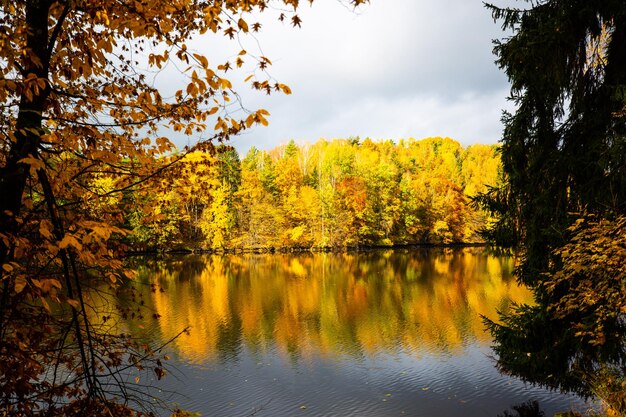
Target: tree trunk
(26, 138)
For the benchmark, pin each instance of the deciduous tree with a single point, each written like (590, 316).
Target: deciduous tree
(80, 105)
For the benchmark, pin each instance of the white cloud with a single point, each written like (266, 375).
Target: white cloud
(469, 119)
(394, 68)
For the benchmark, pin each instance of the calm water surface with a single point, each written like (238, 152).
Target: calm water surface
(360, 334)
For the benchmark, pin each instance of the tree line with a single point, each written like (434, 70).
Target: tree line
(330, 194)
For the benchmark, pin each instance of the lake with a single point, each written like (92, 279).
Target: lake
(378, 333)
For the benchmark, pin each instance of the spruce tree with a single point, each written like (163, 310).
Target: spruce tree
(564, 158)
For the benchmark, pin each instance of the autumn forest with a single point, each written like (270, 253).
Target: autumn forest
(97, 96)
(332, 194)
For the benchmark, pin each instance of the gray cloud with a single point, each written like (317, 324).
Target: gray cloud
(395, 68)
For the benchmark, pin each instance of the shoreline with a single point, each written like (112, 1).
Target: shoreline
(296, 249)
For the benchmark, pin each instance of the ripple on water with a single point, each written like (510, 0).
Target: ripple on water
(383, 384)
(355, 338)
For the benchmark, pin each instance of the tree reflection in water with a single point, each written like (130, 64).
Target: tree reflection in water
(358, 303)
(363, 333)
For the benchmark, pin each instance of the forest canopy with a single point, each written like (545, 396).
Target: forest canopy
(331, 194)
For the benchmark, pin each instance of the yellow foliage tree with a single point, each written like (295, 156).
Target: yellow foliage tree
(339, 193)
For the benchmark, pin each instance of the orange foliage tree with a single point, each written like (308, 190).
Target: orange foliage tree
(81, 121)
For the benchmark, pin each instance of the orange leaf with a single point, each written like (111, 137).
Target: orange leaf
(242, 25)
(69, 240)
(20, 283)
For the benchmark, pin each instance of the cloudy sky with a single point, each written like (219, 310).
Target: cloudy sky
(392, 69)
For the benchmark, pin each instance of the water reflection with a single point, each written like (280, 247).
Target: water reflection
(356, 304)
